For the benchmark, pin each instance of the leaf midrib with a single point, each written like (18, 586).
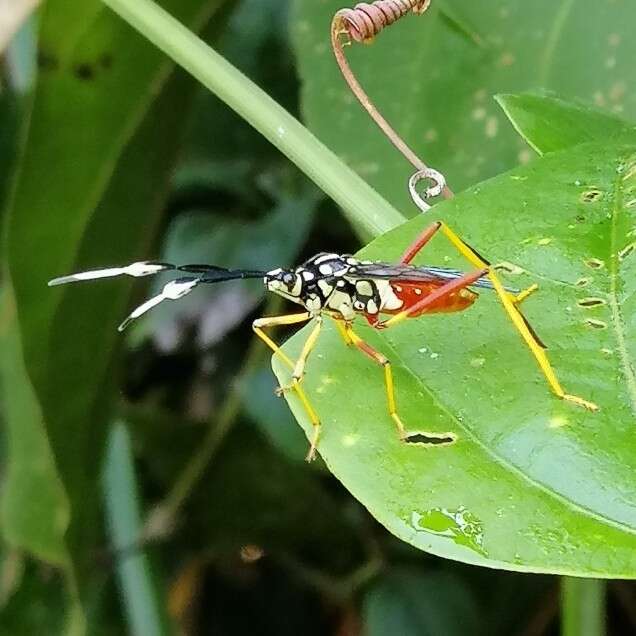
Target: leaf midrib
(502, 461)
(617, 318)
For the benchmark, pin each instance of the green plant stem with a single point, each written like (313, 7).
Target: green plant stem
(582, 607)
(363, 206)
(138, 592)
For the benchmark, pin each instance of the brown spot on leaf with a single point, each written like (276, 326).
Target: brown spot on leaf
(591, 196)
(84, 71)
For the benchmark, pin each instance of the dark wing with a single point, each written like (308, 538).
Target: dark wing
(414, 273)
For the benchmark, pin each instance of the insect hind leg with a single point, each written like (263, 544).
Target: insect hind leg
(418, 244)
(425, 437)
(510, 303)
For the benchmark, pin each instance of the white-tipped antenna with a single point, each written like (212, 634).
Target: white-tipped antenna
(142, 268)
(174, 290)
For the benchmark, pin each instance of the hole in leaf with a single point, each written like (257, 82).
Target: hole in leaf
(594, 263)
(631, 172)
(428, 439)
(590, 302)
(591, 196)
(509, 268)
(626, 251)
(595, 324)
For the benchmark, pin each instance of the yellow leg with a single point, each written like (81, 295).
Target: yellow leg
(274, 321)
(376, 356)
(308, 347)
(342, 330)
(509, 304)
(519, 298)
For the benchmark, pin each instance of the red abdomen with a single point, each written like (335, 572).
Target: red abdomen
(412, 293)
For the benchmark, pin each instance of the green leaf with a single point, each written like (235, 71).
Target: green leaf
(412, 603)
(35, 509)
(433, 77)
(534, 483)
(548, 123)
(87, 191)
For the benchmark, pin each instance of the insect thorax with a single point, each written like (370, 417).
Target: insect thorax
(321, 283)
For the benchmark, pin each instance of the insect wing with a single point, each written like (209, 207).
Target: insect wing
(403, 273)
(413, 273)
(388, 271)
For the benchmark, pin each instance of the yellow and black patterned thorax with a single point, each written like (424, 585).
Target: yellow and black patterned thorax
(323, 283)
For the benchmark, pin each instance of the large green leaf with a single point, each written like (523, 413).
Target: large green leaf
(549, 123)
(433, 77)
(100, 145)
(534, 483)
(35, 510)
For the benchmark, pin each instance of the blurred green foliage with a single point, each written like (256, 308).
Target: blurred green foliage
(113, 157)
(434, 78)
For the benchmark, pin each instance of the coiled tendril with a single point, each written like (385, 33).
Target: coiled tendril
(365, 21)
(362, 24)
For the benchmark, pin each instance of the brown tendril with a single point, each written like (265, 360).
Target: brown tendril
(365, 20)
(362, 24)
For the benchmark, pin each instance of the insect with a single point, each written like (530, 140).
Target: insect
(342, 287)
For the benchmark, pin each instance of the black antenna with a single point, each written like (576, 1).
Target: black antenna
(215, 274)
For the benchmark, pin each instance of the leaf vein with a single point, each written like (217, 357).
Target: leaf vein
(617, 317)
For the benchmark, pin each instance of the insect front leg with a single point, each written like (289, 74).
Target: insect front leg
(299, 367)
(435, 438)
(274, 321)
